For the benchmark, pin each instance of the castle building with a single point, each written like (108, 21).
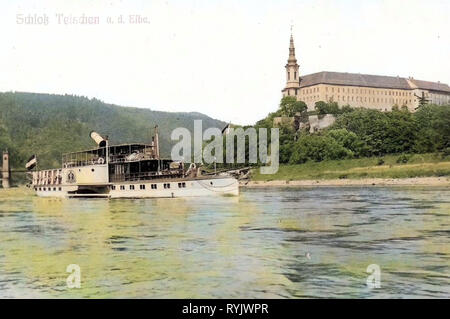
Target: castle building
(360, 90)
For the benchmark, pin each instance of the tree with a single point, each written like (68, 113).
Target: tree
(321, 107)
(289, 106)
(382, 132)
(433, 128)
(327, 108)
(349, 140)
(317, 148)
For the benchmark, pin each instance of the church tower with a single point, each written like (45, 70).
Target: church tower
(6, 171)
(292, 75)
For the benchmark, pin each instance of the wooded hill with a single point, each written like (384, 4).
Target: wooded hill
(49, 125)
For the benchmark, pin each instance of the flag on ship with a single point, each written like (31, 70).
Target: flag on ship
(31, 162)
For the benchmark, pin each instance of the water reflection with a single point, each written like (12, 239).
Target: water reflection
(268, 243)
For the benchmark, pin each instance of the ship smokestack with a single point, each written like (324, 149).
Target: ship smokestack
(101, 142)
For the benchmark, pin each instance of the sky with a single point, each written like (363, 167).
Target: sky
(222, 58)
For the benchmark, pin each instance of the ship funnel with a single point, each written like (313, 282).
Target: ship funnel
(101, 142)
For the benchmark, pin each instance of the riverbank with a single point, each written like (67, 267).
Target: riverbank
(417, 169)
(416, 181)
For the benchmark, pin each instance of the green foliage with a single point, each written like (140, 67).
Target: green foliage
(433, 128)
(446, 152)
(403, 159)
(366, 167)
(289, 106)
(48, 125)
(317, 148)
(331, 144)
(331, 108)
(348, 140)
(363, 132)
(382, 132)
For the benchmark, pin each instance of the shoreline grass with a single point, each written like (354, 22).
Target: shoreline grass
(418, 165)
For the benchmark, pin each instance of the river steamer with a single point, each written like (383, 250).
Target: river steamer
(127, 171)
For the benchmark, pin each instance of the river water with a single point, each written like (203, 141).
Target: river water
(266, 243)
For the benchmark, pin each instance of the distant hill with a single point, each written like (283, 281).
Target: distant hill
(49, 125)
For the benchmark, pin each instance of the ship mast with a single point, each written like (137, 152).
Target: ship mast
(156, 142)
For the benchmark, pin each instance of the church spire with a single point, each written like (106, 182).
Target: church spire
(292, 50)
(292, 74)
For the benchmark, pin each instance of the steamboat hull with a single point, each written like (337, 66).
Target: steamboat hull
(212, 186)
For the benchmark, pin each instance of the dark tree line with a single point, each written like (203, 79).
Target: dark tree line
(48, 125)
(360, 132)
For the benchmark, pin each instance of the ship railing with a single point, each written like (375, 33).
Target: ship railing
(47, 177)
(146, 176)
(83, 163)
(129, 158)
(85, 158)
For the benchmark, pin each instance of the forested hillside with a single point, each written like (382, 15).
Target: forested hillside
(49, 125)
(360, 132)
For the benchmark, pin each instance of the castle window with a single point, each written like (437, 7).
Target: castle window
(166, 185)
(132, 187)
(296, 91)
(141, 186)
(122, 187)
(154, 186)
(295, 75)
(289, 75)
